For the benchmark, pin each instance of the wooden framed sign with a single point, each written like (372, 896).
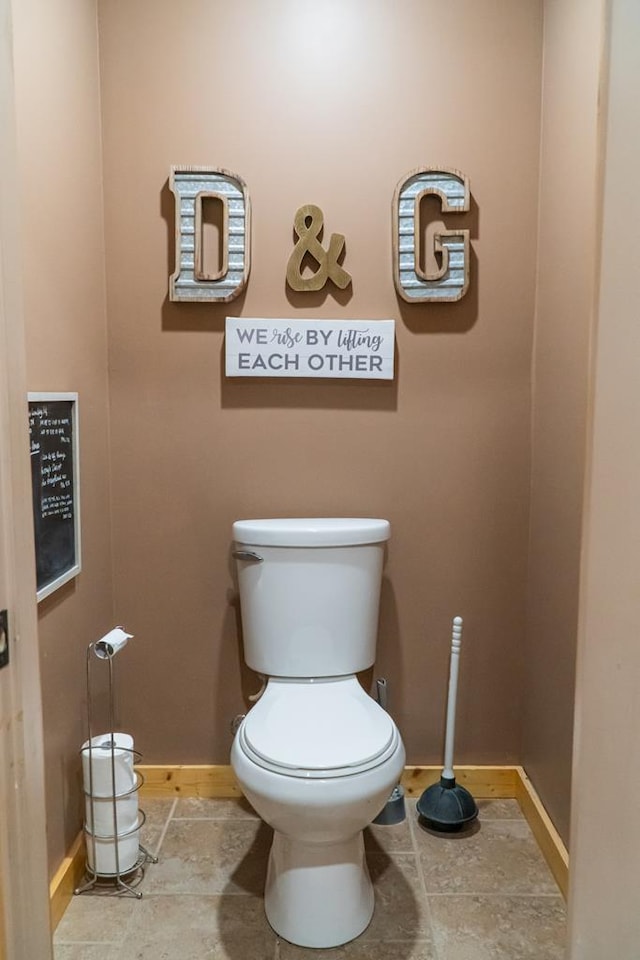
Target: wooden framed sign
(354, 349)
(53, 436)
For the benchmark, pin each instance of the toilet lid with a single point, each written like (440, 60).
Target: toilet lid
(318, 726)
(311, 532)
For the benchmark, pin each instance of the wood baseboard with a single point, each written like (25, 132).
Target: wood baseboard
(66, 879)
(188, 780)
(485, 783)
(210, 780)
(549, 840)
(205, 780)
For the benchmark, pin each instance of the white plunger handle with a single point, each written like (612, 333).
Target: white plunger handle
(456, 643)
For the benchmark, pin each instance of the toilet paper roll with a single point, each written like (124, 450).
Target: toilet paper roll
(106, 822)
(103, 818)
(101, 854)
(97, 769)
(113, 641)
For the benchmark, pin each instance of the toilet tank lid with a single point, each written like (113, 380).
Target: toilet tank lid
(311, 531)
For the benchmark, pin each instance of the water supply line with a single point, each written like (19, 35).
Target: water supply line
(394, 809)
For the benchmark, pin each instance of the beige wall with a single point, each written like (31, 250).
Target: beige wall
(573, 40)
(605, 827)
(330, 104)
(58, 121)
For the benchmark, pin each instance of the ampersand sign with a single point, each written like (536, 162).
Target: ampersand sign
(308, 242)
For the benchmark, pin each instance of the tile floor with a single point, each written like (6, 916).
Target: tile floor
(485, 894)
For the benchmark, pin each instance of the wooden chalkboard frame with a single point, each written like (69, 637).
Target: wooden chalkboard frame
(73, 567)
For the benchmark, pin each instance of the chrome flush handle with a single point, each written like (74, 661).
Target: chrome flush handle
(247, 555)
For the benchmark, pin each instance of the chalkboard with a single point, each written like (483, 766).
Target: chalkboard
(53, 435)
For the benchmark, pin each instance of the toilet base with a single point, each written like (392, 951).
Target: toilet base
(318, 895)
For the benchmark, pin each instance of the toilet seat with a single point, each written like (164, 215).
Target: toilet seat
(327, 727)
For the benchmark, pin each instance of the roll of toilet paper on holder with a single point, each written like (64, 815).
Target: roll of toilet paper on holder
(111, 803)
(102, 778)
(101, 854)
(111, 643)
(105, 821)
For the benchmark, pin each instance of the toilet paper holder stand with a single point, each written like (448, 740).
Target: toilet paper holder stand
(133, 873)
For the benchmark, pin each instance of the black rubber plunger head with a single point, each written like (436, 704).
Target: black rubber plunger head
(447, 806)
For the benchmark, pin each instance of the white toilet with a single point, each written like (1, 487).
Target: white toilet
(316, 756)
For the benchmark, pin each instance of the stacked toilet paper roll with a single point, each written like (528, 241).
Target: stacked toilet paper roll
(111, 803)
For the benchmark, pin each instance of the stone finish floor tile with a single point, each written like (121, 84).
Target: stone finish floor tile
(499, 810)
(483, 893)
(203, 808)
(194, 947)
(395, 838)
(211, 856)
(86, 951)
(157, 812)
(494, 856)
(401, 908)
(499, 928)
(200, 928)
(96, 919)
(361, 950)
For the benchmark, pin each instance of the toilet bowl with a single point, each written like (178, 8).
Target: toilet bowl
(315, 756)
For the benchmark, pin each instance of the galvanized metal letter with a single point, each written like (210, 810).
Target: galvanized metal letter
(451, 280)
(191, 187)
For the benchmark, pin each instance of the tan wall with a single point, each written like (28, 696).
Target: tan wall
(565, 289)
(331, 104)
(605, 829)
(58, 120)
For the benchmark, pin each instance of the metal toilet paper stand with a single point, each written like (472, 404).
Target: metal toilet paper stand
(134, 873)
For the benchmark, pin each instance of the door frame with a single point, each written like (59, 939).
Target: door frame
(24, 889)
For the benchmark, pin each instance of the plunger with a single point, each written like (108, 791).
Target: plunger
(448, 806)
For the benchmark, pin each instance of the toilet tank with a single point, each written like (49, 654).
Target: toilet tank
(309, 593)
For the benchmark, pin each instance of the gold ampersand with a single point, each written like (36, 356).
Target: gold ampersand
(308, 242)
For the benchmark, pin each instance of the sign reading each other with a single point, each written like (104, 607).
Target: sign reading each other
(355, 349)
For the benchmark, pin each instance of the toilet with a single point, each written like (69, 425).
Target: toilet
(316, 756)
